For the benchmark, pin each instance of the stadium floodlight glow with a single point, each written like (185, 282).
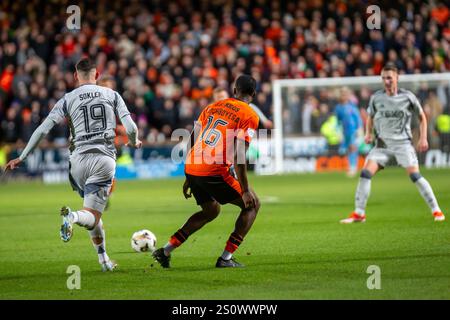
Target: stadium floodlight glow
(280, 96)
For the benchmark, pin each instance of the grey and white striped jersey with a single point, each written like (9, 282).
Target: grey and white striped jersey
(392, 114)
(91, 111)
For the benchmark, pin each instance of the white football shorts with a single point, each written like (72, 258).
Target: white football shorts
(91, 174)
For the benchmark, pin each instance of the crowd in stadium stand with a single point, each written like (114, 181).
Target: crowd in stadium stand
(166, 57)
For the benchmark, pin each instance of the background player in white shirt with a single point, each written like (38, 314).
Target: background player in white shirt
(390, 112)
(91, 111)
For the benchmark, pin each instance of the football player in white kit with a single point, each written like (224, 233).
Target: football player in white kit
(390, 112)
(91, 111)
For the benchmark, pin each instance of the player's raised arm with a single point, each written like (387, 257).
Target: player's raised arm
(56, 115)
(125, 118)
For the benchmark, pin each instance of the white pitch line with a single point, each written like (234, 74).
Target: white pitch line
(269, 199)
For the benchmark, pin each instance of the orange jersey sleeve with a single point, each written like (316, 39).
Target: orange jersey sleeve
(220, 123)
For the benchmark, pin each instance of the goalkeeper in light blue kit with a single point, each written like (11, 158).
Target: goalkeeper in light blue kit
(349, 119)
(91, 111)
(390, 112)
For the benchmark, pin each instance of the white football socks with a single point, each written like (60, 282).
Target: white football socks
(226, 255)
(99, 232)
(427, 194)
(83, 218)
(362, 195)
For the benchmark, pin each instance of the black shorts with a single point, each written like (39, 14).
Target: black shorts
(209, 188)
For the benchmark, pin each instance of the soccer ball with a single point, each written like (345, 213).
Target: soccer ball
(143, 240)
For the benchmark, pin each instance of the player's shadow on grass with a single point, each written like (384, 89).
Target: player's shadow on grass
(128, 252)
(206, 267)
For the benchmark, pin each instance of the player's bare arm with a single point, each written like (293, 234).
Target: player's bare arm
(132, 132)
(369, 129)
(422, 145)
(137, 144)
(13, 164)
(241, 171)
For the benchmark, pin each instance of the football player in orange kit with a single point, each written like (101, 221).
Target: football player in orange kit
(220, 139)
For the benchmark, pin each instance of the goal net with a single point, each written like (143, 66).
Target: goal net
(300, 141)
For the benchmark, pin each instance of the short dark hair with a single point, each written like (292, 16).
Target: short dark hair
(245, 84)
(85, 65)
(390, 67)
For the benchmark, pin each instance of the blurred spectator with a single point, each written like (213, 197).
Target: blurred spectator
(332, 133)
(443, 129)
(309, 108)
(440, 13)
(4, 150)
(11, 125)
(320, 116)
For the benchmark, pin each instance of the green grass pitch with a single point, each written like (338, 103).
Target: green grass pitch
(296, 249)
